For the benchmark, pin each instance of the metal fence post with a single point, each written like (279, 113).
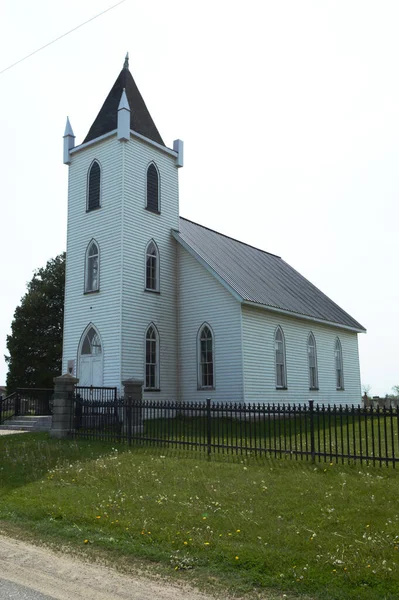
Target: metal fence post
(209, 425)
(129, 419)
(312, 444)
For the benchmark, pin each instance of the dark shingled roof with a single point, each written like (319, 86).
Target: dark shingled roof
(259, 277)
(140, 118)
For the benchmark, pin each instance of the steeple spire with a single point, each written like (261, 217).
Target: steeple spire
(140, 118)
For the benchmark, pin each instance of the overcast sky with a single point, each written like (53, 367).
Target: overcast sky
(289, 111)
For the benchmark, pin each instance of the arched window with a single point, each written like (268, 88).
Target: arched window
(339, 371)
(279, 345)
(152, 267)
(90, 358)
(91, 343)
(152, 189)
(92, 278)
(93, 186)
(205, 358)
(312, 360)
(151, 358)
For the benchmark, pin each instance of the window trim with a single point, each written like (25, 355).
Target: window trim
(88, 187)
(155, 290)
(86, 271)
(308, 346)
(338, 352)
(284, 383)
(158, 210)
(199, 364)
(157, 387)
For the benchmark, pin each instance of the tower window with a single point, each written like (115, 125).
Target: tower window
(93, 186)
(152, 268)
(151, 359)
(152, 189)
(92, 278)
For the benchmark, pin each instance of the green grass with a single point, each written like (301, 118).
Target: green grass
(243, 523)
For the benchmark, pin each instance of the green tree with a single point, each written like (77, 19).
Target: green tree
(35, 343)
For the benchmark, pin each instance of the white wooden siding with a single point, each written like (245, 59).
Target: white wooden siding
(104, 225)
(201, 298)
(122, 310)
(139, 307)
(259, 327)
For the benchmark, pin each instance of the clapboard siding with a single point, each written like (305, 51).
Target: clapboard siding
(103, 309)
(201, 298)
(140, 307)
(259, 327)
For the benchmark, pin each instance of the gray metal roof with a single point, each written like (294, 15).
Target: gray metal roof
(259, 277)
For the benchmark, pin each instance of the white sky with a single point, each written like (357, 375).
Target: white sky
(289, 111)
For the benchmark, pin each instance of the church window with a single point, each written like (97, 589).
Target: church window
(151, 359)
(92, 282)
(152, 267)
(206, 358)
(339, 372)
(93, 186)
(279, 345)
(152, 203)
(91, 343)
(312, 361)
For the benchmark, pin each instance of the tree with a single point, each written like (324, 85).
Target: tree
(35, 343)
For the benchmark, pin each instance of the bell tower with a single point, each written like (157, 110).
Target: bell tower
(123, 204)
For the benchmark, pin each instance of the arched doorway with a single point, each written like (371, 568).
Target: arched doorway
(91, 358)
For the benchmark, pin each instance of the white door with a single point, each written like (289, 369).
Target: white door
(91, 360)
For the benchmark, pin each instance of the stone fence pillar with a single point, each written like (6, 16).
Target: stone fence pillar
(133, 417)
(63, 405)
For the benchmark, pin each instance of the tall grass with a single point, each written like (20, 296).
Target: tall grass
(327, 530)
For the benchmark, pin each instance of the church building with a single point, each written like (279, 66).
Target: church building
(189, 311)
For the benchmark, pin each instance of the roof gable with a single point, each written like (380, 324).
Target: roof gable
(261, 278)
(140, 118)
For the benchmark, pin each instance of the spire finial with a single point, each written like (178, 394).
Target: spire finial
(126, 63)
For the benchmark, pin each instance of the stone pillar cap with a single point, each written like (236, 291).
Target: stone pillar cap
(133, 381)
(67, 378)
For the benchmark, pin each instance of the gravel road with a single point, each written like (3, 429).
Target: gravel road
(45, 573)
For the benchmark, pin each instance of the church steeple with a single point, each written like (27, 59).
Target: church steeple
(140, 118)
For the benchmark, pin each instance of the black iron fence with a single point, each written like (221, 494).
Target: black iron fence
(26, 402)
(97, 394)
(306, 431)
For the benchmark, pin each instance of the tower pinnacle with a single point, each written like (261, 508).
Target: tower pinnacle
(126, 63)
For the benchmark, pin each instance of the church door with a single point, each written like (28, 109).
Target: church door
(91, 360)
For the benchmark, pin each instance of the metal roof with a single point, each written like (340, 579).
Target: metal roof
(258, 277)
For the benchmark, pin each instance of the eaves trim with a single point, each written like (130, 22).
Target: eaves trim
(133, 134)
(304, 317)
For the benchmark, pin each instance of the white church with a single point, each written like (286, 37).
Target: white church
(187, 310)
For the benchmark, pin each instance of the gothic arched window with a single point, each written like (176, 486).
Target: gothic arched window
(152, 267)
(312, 361)
(205, 358)
(279, 345)
(92, 275)
(339, 371)
(91, 343)
(152, 203)
(151, 358)
(93, 186)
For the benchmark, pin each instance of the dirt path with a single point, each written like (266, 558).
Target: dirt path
(65, 578)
